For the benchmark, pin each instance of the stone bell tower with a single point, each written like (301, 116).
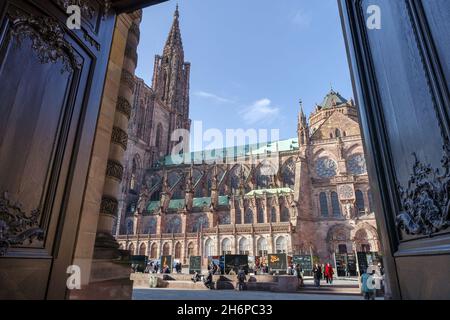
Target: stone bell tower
(171, 80)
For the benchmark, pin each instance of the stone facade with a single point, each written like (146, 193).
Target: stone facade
(308, 194)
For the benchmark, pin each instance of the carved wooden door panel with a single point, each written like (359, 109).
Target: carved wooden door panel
(401, 73)
(51, 81)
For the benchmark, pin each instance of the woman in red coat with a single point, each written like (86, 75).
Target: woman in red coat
(329, 273)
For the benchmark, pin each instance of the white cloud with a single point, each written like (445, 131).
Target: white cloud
(213, 97)
(260, 111)
(302, 18)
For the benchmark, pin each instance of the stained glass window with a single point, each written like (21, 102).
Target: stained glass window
(323, 204)
(335, 204)
(326, 168)
(357, 164)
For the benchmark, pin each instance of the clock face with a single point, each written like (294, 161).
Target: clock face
(346, 192)
(326, 168)
(357, 165)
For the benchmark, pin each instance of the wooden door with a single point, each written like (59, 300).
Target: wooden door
(51, 82)
(401, 74)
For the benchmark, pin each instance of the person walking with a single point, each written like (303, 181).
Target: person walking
(241, 277)
(329, 272)
(317, 272)
(367, 285)
(209, 280)
(299, 273)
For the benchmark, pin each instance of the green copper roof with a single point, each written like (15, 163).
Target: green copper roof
(152, 206)
(269, 191)
(332, 98)
(176, 204)
(232, 152)
(201, 202)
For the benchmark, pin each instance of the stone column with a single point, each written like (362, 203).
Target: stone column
(267, 209)
(272, 244)
(184, 223)
(232, 211)
(119, 138)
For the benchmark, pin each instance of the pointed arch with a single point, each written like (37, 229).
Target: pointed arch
(154, 250)
(142, 249)
(273, 215)
(244, 246)
(323, 202)
(285, 214)
(261, 245)
(281, 244)
(178, 249)
(336, 206)
(166, 249)
(248, 218)
(226, 246)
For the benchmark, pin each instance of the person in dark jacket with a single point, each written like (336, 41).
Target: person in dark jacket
(317, 272)
(209, 280)
(299, 273)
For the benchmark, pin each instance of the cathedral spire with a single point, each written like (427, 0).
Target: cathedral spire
(303, 131)
(302, 117)
(174, 42)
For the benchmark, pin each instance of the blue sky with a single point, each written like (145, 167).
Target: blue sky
(252, 60)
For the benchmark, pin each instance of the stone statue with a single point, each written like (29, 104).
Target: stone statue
(144, 196)
(348, 210)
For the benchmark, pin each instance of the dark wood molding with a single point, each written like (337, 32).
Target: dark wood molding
(379, 163)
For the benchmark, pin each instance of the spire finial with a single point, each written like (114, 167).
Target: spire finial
(177, 12)
(301, 106)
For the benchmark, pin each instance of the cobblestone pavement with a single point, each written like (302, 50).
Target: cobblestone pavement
(169, 294)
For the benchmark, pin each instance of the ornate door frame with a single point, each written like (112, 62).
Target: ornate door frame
(399, 209)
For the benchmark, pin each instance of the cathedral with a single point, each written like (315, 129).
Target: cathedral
(306, 195)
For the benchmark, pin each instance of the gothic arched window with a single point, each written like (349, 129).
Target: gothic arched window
(323, 204)
(273, 215)
(260, 215)
(166, 249)
(150, 228)
(142, 249)
(174, 225)
(288, 174)
(262, 247)
(190, 249)
(357, 164)
(178, 250)
(284, 217)
(153, 251)
(226, 246)
(326, 168)
(248, 218)
(225, 218)
(209, 248)
(201, 222)
(130, 226)
(335, 204)
(281, 245)
(244, 247)
(360, 201)
(337, 133)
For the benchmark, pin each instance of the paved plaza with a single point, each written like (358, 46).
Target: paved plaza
(169, 294)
